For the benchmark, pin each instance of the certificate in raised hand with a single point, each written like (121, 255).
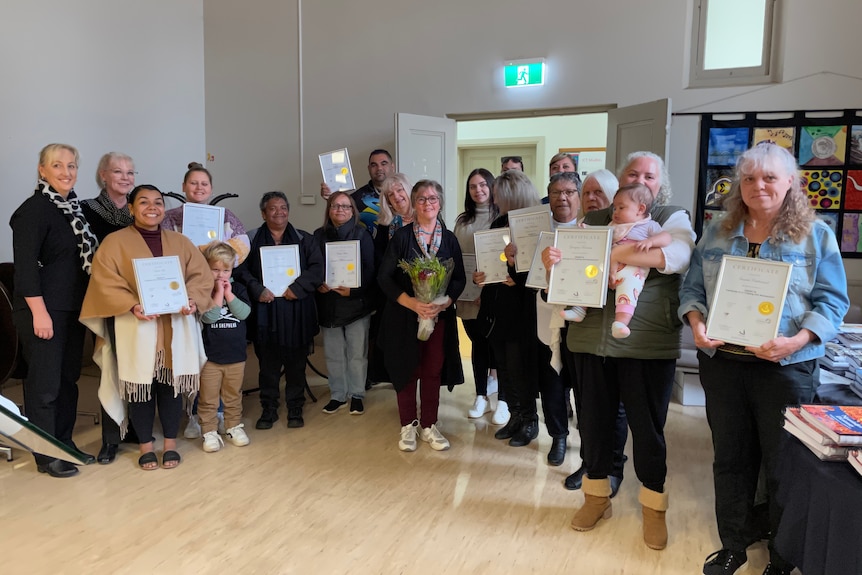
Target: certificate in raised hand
(161, 286)
(336, 170)
(342, 264)
(537, 278)
(581, 276)
(749, 297)
(471, 291)
(203, 223)
(279, 267)
(490, 259)
(525, 225)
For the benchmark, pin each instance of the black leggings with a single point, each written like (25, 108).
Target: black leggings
(481, 355)
(143, 413)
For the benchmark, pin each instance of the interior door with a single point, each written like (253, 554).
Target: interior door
(634, 128)
(488, 157)
(426, 147)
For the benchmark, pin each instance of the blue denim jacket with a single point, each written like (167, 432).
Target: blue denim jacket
(816, 298)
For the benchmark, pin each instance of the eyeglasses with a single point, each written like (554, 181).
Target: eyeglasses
(558, 193)
(122, 173)
(433, 200)
(507, 159)
(341, 208)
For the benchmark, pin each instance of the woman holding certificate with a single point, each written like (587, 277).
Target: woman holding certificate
(435, 360)
(638, 370)
(479, 212)
(768, 218)
(157, 357)
(53, 250)
(343, 306)
(197, 186)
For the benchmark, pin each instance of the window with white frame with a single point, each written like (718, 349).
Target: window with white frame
(733, 43)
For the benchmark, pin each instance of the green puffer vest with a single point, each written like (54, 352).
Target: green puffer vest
(655, 327)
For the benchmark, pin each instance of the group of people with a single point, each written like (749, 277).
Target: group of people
(618, 360)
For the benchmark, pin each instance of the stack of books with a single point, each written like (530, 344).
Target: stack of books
(829, 431)
(835, 359)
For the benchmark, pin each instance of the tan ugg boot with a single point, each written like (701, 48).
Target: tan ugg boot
(654, 526)
(597, 504)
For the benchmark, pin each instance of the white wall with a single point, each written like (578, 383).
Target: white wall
(100, 75)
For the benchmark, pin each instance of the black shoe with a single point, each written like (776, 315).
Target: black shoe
(108, 453)
(615, 484)
(294, 417)
(369, 384)
(509, 430)
(771, 569)
(527, 433)
(333, 406)
(725, 562)
(573, 482)
(557, 454)
(58, 468)
(87, 457)
(356, 406)
(267, 418)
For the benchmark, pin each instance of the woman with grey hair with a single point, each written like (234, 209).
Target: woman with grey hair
(598, 190)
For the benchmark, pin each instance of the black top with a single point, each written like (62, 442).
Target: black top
(98, 225)
(367, 200)
(46, 255)
(225, 339)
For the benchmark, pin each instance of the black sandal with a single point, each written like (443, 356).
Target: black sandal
(148, 459)
(170, 456)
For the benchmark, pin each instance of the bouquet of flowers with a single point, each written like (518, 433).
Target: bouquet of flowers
(430, 278)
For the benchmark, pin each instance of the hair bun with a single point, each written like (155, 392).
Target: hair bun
(195, 165)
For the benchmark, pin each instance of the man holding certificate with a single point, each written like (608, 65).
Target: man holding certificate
(281, 274)
(747, 387)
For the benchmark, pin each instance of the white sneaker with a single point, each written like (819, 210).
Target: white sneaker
(480, 407)
(493, 385)
(434, 438)
(193, 429)
(408, 437)
(237, 435)
(501, 414)
(221, 429)
(212, 441)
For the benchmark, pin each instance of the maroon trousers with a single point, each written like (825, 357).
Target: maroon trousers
(428, 375)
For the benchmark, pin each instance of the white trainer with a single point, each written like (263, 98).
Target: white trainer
(237, 435)
(221, 429)
(480, 407)
(408, 437)
(501, 414)
(212, 441)
(434, 438)
(193, 429)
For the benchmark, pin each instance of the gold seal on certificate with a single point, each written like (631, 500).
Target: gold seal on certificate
(343, 264)
(279, 266)
(161, 287)
(749, 297)
(581, 276)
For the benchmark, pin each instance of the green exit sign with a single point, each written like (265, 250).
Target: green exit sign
(520, 73)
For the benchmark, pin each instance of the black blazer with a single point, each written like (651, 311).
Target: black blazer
(47, 261)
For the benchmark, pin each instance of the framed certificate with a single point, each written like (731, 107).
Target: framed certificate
(490, 258)
(525, 225)
(279, 267)
(203, 223)
(581, 277)
(161, 285)
(337, 174)
(537, 278)
(343, 264)
(749, 297)
(471, 291)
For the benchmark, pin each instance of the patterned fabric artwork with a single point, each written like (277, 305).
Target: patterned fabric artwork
(829, 153)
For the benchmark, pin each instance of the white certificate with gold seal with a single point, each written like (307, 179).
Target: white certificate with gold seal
(490, 254)
(203, 223)
(526, 224)
(581, 276)
(161, 286)
(749, 296)
(279, 267)
(343, 263)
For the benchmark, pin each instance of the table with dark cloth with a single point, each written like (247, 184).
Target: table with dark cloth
(821, 527)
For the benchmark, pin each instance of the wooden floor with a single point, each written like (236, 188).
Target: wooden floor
(339, 497)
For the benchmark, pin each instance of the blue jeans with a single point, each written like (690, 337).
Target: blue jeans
(346, 351)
